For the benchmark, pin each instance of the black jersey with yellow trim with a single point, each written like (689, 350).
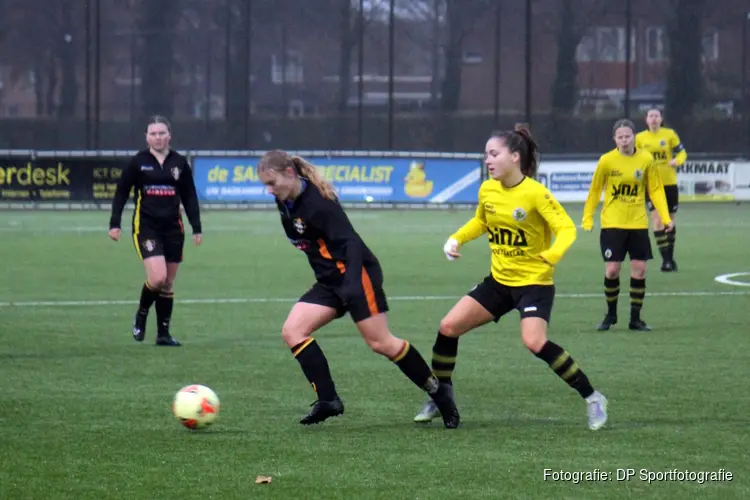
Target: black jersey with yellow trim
(160, 189)
(320, 228)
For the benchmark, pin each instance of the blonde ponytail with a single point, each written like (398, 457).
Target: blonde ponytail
(310, 172)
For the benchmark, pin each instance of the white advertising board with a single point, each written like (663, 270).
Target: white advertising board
(700, 180)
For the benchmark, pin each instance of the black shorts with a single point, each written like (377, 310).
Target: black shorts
(532, 301)
(370, 302)
(616, 243)
(672, 193)
(154, 244)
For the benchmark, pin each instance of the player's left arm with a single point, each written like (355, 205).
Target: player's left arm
(678, 150)
(559, 222)
(656, 193)
(331, 219)
(189, 198)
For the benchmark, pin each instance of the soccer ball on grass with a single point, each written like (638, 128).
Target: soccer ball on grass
(196, 406)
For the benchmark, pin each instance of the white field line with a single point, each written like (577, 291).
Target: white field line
(405, 298)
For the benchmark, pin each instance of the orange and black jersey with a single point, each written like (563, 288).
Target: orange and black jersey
(320, 228)
(159, 190)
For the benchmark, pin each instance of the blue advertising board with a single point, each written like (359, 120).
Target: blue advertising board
(356, 179)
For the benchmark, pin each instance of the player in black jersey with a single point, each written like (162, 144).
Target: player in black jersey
(161, 179)
(348, 279)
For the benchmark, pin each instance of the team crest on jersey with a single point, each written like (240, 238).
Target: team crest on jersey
(638, 174)
(607, 253)
(299, 225)
(662, 143)
(149, 245)
(489, 208)
(176, 173)
(519, 214)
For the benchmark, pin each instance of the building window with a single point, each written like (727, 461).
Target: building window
(711, 45)
(605, 44)
(656, 44)
(296, 108)
(472, 57)
(294, 68)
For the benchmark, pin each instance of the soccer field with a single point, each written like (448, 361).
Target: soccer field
(85, 410)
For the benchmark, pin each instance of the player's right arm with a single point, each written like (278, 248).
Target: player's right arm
(473, 229)
(595, 193)
(124, 185)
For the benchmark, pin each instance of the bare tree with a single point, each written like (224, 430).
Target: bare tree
(51, 54)
(684, 76)
(461, 20)
(157, 55)
(575, 19)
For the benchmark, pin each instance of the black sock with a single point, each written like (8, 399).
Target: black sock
(164, 305)
(444, 357)
(415, 367)
(611, 293)
(670, 244)
(148, 296)
(662, 244)
(637, 294)
(315, 367)
(565, 367)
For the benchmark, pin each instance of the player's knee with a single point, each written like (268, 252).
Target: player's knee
(293, 333)
(158, 281)
(387, 345)
(450, 327)
(534, 343)
(534, 338)
(612, 270)
(638, 269)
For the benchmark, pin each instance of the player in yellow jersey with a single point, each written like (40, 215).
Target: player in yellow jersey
(520, 217)
(625, 174)
(664, 145)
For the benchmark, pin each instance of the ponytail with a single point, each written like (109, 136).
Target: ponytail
(529, 163)
(310, 172)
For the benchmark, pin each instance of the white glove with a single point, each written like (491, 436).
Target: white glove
(451, 246)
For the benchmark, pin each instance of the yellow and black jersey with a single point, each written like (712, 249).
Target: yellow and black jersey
(521, 222)
(664, 144)
(625, 180)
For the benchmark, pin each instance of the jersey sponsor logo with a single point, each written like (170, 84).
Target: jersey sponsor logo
(519, 214)
(623, 191)
(510, 237)
(175, 173)
(146, 167)
(299, 225)
(516, 252)
(154, 190)
(303, 245)
(659, 155)
(489, 208)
